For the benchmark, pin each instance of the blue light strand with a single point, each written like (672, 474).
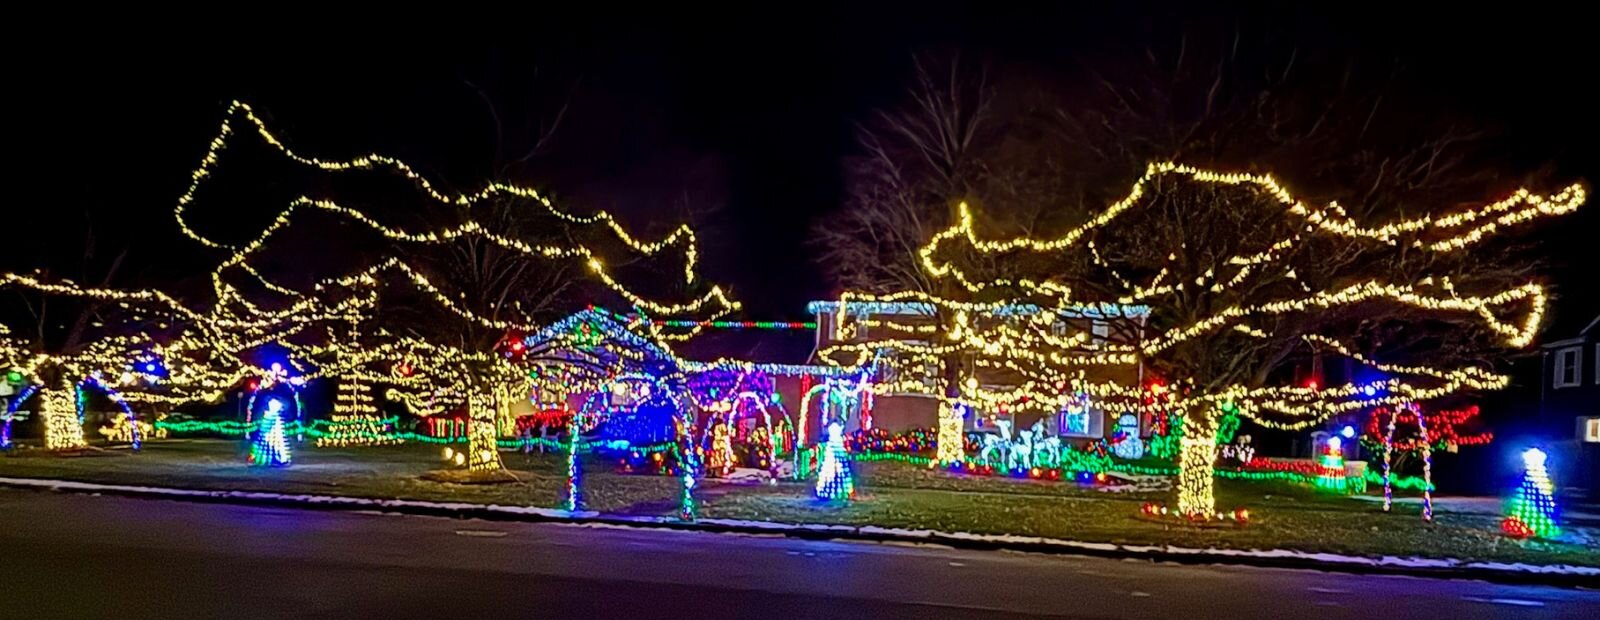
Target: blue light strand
(11, 412)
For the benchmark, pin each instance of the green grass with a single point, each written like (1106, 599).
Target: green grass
(383, 472)
(890, 494)
(1283, 516)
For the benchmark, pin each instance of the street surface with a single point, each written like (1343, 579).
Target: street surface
(76, 556)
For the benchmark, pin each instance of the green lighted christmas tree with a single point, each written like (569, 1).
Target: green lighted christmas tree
(1533, 509)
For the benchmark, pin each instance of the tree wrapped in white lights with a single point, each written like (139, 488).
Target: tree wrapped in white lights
(1241, 279)
(423, 318)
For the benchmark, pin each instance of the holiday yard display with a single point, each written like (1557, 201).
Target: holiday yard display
(342, 324)
(1211, 279)
(1426, 432)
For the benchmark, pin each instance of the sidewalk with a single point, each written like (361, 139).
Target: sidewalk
(1559, 575)
(1579, 514)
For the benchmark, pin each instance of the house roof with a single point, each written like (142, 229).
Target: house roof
(777, 348)
(1567, 329)
(922, 308)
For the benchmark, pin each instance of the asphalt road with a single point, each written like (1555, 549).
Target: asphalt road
(75, 556)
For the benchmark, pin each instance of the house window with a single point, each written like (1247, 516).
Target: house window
(1569, 367)
(1591, 430)
(1102, 332)
(1080, 420)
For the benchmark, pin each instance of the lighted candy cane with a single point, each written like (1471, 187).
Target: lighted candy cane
(1388, 448)
(1427, 467)
(574, 470)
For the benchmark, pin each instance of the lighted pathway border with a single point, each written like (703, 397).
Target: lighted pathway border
(1558, 574)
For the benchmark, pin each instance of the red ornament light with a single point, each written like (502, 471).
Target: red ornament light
(1516, 528)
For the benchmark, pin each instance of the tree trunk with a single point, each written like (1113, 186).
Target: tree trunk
(62, 430)
(950, 444)
(1196, 495)
(688, 465)
(483, 454)
(505, 418)
(951, 426)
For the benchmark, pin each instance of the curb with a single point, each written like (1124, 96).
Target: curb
(1550, 575)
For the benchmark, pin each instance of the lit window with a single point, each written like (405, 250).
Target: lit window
(1102, 331)
(1080, 420)
(1591, 430)
(1569, 367)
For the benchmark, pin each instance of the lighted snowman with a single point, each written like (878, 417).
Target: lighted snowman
(1128, 445)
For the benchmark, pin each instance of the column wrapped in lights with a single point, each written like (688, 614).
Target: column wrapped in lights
(59, 411)
(952, 422)
(1195, 483)
(482, 453)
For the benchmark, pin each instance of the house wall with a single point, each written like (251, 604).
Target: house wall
(907, 411)
(1562, 412)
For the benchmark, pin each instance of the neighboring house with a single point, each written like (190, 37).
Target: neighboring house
(1569, 405)
(913, 408)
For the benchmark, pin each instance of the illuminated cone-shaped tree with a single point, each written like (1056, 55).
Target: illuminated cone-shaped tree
(835, 479)
(355, 420)
(270, 447)
(1532, 511)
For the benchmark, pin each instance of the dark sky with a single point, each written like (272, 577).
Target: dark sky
(748, 111)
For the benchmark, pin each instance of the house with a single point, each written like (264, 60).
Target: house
(912, 403)
(1569, 406)
(786, 354)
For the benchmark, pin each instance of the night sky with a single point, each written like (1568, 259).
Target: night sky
(745, 115)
